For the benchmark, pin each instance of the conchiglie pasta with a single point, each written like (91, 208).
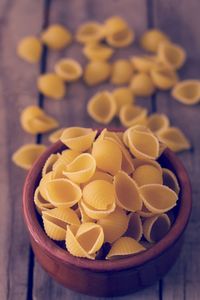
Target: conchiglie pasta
(134, 230)
(121, 39)
(163, 78)
(115, 24)
(100, 175)
(48, 166)
(172, 55)
(157, 122)
(78, 138)
(90, 32)
(56, 37)
(147, 174)
(55, 136)
(42, 185)
(142, 85)
(170, 180)
(127, 192)
(26, 155)
(102, 107)
(144, 63)
(97, 214)
(187, 92)
(96, 72)
(40, 203)
(140, 162)
(158, 198)
(145, 213)
(68, 69)
(30, 49)
(122, 71)
(155, 228)
(175, 139)
(123, 96)
(51, 85)
(123, 247)
(83, 216)
(152, 38)
(131, 115)
(97, 52)
(65, 158)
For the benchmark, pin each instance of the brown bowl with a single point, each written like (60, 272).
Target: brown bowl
(101, 277)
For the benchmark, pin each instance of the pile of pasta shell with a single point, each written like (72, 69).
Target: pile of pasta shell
(106, 196)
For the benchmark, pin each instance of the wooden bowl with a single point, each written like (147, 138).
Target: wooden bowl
(101, 277)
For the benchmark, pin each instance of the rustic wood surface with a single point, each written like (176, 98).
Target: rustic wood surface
(20, 275)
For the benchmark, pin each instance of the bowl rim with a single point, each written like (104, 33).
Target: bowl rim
(52, 250)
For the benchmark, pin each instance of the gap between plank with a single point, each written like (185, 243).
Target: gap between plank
(38, 140)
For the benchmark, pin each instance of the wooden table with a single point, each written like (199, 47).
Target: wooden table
(20, 275)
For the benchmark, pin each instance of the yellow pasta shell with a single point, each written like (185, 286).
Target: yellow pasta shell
(121, 39)
(122, 96)
(152, 38)
(134, 230)
(48, 166)
(187, 91)
(174, 138)
(122, 71)
(170, 180)
(51, 85)
(157, 122)
(30, 49)
(62, 192)
(131, 115)
(99, 175)
(40, 203)
(114, 225)
(81, 169)
(144, 63)
(27, 154)
(158, 198)
(123, 247)
(163, 78)
(155, 228)
(115, 24)
(83, 216)
(127, 193)
(90, 32)
(145, 213)
(172, 55)
(147, 174)
(68, 69)
(96, 214)
(54, 231)
(78, 138)
(97, 52)
(55, 136)
(140, 162)
(56, 37)
(103, 151)
(47, 177)
(102, 107)
(142, 85)
(96, 72)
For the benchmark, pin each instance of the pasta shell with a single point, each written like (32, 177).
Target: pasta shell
(114, 225)
(170, 180)
(99, 194)
(134, 230)
(96, 214)
(99, 175)
(123, 247)
(90, 32)
(48, 166)
(115, 24)
(90, 236)
(30, 49)
(155, 228)
(102, 107)
(81, 169)
(56, 37)
(125, 133)
(187, 92)
(142, 85)
(121, 39)
(140, 162)
(97, 52)
(55, 136)
(172, 55)
(147, 174)
(73, 246)
(26, 155)
(66, 157)
(145, 213)
(127, 193)
(158, 198)
(78, 138)
(84, 217)
(163, 78)
(122, 96)
(144, 63)
(122, 71)
(131, 115)
(40, 203)
(42, 185)
(102, 152)
(175, 139)
(68, 69)
(51, 85)
(143, 145)
(152, 38)
(62, 192)
(96, 72)
(157, 122)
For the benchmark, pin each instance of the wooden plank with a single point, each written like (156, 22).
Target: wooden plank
(72, 110)
(180, 21)
(17, 90)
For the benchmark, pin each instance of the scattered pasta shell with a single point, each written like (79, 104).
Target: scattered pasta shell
(51, 85)
(30, 49)
(152, 38)
(62, 192)
(131, 115)
(134, 230)
(48, 166)
(171, 55)
(170, 180)
(163, 78)
(121, 39)
(122, 71)
(114, 225)
(144, 63)
(81, 169)
(55, 136)
(143, 145)
(26, 155)
(90, 236)
(187, 91)
(96, 72)
(68, 69)
(97, 52)
(40, 203)
(122, 96)
(142, 85)
(90, 32)
(73, 246)
(102, 152)
(147, 174)
(155, 228)
(97, 214)
(102, 107)
(56, 37)
(127, 193)
(175, 139)
(158, 198)
(124, 247)
(78, 138)
(157, 122)
(114, 25)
